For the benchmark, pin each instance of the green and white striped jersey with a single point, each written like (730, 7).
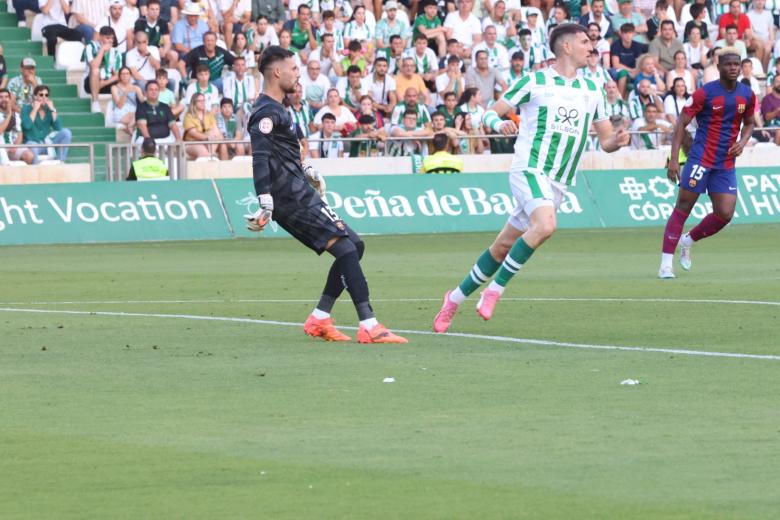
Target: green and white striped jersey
(555, 116)
(112, 60)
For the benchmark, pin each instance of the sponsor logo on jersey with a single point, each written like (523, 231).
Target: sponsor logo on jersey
(566, 120)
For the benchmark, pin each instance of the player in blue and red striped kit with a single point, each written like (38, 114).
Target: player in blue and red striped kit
(720, 108)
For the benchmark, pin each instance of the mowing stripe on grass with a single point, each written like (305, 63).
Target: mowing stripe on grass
(405, 300)
(502, 339)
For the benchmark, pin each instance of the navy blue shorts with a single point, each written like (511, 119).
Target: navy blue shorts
(698, 179)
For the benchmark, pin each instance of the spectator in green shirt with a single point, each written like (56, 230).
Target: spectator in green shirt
(430, 25)
(40, 124)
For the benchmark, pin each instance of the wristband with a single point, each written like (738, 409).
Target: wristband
(492, 120)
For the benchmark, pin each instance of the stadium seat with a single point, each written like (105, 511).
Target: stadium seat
(175, 76)
(242, 158)
(69, 56)
(35, 29)
(758, 69)
(107, 119)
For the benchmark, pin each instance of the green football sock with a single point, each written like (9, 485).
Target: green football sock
(485, 267)
(518, 255)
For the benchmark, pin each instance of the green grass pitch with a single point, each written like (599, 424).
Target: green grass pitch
(109, 416)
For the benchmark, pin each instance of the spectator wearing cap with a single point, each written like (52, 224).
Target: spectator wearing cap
(189, 30)
(41, 125)
(429, 24)
(488, 80)
(157, 32)
(210, 55)
(594, 71)
(391, 26)
(54, 24)
(20, 6)
(148, 167)
(22, 86)
(534, 23)
(498, 57)
(626, 15)
(123, 29)
(103, 63)
(596, 15)
(465, 26)
(409, 79)
(11, 132)
(89, 14)
(666, 45)
(155, 119)
(624, 53)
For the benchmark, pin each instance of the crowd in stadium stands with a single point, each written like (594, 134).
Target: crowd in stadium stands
(379, 71)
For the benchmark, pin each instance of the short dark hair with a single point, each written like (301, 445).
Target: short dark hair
(151, 84)
(6, 91)
(661, 4)
(747, 60)
(37, 90)
(326, 15)
(421, 36)
(627, 28)
(395, 37)
(328, 116)
(437, 113)
(410, 112)
(365, 119)
(378, 59)
(440, 141)
(209, 33)
(303, 6)
(668, 22)
(732, 26)
(562, 31)
(202, 68)
(271, 55)
(594, 24)
(354, 46)
(454, 59)
(696, 10)
(352, 69)
(450, 94)
(148, 146)
(518, 56)
(161, 73)
(226, 101)
(524, 32)
(453, 40)
(150, 2)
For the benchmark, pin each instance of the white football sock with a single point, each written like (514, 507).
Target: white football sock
(495, 287)
(686, 240)
(369, 324)
(456, 296)
(667, 259)
(320, 315)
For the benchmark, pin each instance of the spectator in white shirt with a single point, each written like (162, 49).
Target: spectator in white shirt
(747, 73)
(763, 24)
(322, 144)
(142, 60)
(235, 13)
(465, 26)
(122, 26)
(336, 107)
(498, 57)
(315, 85)
(381, 87)
(54, 25)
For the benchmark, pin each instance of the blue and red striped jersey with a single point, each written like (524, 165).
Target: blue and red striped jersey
(719, 114)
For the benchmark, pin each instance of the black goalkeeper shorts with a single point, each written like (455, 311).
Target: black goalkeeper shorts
(314, 224)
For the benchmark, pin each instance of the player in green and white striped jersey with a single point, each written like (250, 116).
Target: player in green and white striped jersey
(556, 109)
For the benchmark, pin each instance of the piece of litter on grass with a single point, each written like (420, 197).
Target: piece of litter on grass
(388, 380)
(630, 382)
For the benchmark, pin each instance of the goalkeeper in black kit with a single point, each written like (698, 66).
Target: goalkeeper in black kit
(290, 193)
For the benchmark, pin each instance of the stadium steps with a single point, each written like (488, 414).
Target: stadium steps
(73, 111)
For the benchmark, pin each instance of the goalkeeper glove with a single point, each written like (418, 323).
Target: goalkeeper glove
(259, 219)
(314, 178)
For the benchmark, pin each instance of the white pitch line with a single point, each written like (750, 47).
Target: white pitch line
(403, 300)
(502, 339)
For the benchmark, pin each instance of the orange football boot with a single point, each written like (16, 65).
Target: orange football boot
(378, 334)
(324, 329)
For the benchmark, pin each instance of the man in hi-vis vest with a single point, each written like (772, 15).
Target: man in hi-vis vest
(149, 166)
